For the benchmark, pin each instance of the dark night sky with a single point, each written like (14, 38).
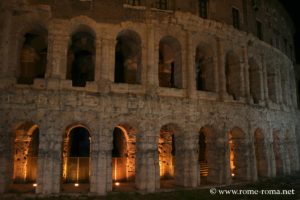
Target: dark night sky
(293, 10)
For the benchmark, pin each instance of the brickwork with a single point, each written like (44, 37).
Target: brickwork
(249, 110)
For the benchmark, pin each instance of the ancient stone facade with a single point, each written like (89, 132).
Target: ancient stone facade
(100, 93)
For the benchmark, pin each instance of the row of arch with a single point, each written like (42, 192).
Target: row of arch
(76, 154)
(81, 59)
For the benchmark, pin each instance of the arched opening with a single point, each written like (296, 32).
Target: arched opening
(168, 145)
(202, 159)
(238, 154)
(33, 57)
(277, 148)
(272, 87)
(255, 79)
(81, 58)
(260, 154)
(26, 149)
(204, 68)
(169, 66)
(123, 157)
(128, 55)
(76, 159)
(233, 75)
(119, 155)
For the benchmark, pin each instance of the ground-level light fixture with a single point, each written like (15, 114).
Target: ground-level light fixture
(76, 184)
(34, 185)
(117, 183)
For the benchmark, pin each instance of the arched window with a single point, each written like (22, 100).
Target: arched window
(170, 73)
(134, 2)
(204, 68)
(119, 155)
(26, 153)
(33, 58)
(128, 58)
(77, 155)
(167, 152)
(238, 154)
(202, 8)
(161, 4)
(124, 154)
(81, 59)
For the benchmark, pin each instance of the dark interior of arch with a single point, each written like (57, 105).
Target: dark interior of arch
(81, 61)
(128, 58)
(202, 147)
(79, 142)
(169, 63)
(119, 143)
(33, 56)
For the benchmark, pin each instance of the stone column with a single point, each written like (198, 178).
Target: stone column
(147, 161)
(57, 53)
(98, 58)
(49, 161)
(190, 66)
(108, 59)
(101, 176)
(279, 87)
(221, 68)
(252, 160)
(246, 74)
(6, 166)
(5, 43)
(152, 59)
(188, 169)
(265, 78)
(271, 157)
(218, 157)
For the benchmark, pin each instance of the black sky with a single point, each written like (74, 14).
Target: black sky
(293, 10)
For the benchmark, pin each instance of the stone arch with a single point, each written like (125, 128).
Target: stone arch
(170, 66)
(255, 80)
(272, 83)
(260, 153)
(277, 148)
(204, 68)
(124, 153)
(76, 156)
(238, 154)
(33, 55)
(207, 156)
(128, 57)
(233, 72)
(169, 146)
(81, 56)
(26, 149)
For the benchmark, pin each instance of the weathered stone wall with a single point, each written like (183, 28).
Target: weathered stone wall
(53, 104)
